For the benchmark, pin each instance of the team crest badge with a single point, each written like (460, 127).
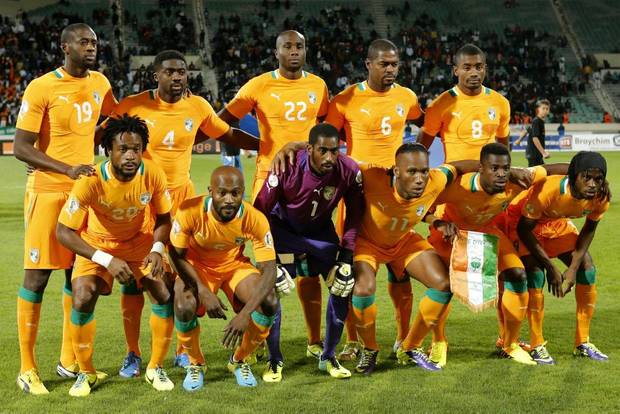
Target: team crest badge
(145, 198)
(97, 97)
(268, 239)
(189, 125)
(74, 205)
(34, 255)
(419, 211)
(176, 227)
(328, 193)
(358, 177)
(167, 194)
(312, 97)
(400, 110)
(273, 181)
(239, 241)
(492, 114)
(24, 108)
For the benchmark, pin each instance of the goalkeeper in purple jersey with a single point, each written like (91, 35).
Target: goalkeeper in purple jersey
(299, 203)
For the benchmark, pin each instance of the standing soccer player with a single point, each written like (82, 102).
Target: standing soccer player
(535, 151)
(299, 203)
(176, 119)
(544, 229)
(104, 222)
(373, 115)
(55, 134)
(208, 238)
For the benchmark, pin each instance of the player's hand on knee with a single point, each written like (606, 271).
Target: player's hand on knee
(554, 282)
(157, 264)
(233, 332)
(212, 303)
(340, 278)
(284, 282)
(120, 270)
(570, 277)
(76, 171)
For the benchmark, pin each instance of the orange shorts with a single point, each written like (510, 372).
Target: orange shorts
(41, 248)
(507, 256)
(259, 180)
(397, 257)
(132, 251)
(225, 277)
(555, 236)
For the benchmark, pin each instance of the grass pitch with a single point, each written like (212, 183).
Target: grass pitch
(473, 381)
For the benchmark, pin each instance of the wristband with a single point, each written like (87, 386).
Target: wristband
(102, 258)
(158, 247)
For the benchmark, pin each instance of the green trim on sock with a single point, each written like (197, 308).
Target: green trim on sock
(439, 296)
(185, 326)
(586, 277)
(68, 289)
(516, 287)
(535, 280)
(131, 289)
(262, 320)
(362, 302)
(29, 295)
(163, 311)
(81, 318)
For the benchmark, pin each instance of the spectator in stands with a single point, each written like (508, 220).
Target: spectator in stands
(607, 119)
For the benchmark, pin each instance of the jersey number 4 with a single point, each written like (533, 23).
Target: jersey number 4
(169, 139)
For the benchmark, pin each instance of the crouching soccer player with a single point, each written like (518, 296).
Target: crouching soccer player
(208, 237)
(299, 203)
(109, 210)
(544, 231)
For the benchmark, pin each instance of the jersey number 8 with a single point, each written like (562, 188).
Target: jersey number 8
(476, 129)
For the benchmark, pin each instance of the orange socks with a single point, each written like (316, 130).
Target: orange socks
(188, 338)
(132, 302)
(402, 299)
(67, 357)
(162, 324)
(28, 313)
(432, 307)
(365, 317)
(83, 328)
(309, 293)
(585, 295)
(514, 308)
(257, 332)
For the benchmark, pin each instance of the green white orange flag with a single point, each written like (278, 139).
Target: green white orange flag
(473, 269)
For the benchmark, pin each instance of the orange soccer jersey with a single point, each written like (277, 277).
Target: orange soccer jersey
(388, 217)
(286, 110)
(467, 123)
(64, 111)
(216, 245)
(114, 210)
(172, 130)
(374, 122)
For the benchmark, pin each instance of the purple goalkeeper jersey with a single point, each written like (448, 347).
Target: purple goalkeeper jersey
(306, 200)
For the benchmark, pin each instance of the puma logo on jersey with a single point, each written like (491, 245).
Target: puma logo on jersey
(276, 96)
(366, 111)
(380, 204)
(456, 114)
(148, 121)
(64, 98)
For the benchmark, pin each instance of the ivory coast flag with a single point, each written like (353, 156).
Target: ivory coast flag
(473, 269)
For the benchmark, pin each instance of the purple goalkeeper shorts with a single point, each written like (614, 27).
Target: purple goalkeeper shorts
(320, 249)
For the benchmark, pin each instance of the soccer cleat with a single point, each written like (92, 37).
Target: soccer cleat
(243, 373)
(314, 351)
(396, 345)
(499, 344)
(588, 350)
(85, 383)
(438, 353)
(30, 383)
(368, 361)
(195, 378)
(273, 371)
(350, 352)
(131, 366)
(416, 357)
(181, 360)
(541, 355)
(333, 367)
(517, 354)
(72, 371)
(158, 378)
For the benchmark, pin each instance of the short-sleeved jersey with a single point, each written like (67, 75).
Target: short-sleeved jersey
(286, 109)
(470, 207)
(374, 122)
(552, 199)
(214, 243)
(172, 129)
(306, 201)
(467, 123)
(387, 216)
(64, 111)
(114, 209)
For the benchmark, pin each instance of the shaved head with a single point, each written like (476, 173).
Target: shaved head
(226, 174)
(380, 45)
(287, 34)
(70, 31)
(226, 191)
